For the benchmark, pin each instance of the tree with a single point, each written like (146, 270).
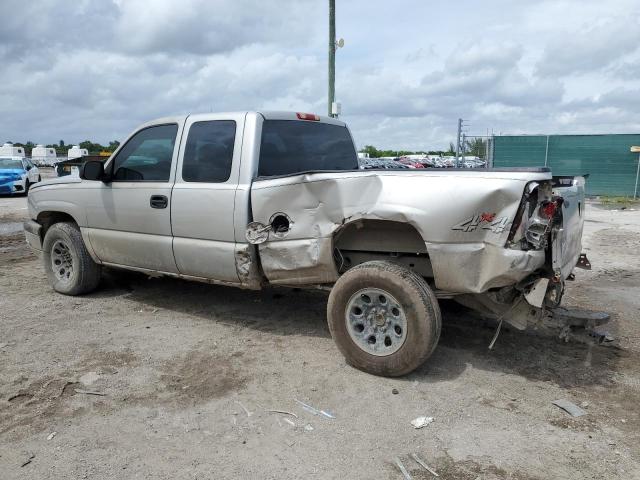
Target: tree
(113, 146)
(371, 150)
(90, 146)
(61, 144)
(476, 147)
(28, 147)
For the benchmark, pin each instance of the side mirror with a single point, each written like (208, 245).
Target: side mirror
(92, 170)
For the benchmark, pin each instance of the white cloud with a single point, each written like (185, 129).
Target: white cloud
(93, 69)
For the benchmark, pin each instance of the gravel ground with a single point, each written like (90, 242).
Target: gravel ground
(188, 374)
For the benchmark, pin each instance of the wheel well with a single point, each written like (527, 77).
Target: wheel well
(366, 240)
(46, 219)
(379, 236)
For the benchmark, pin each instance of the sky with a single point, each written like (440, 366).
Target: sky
(95, 69)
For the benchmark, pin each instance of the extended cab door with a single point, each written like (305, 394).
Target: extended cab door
(129, 217)
(202, 207)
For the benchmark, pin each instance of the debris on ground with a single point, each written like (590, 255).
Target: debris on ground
(421, 462)
(284, 412)
(395, 391)
(402, 469)
(89, 392)
(30, 457)
(421, 422)
(571, 408)
(308, 427)
(246, 410)
(314, 411)
(51, 435)
(290, 422)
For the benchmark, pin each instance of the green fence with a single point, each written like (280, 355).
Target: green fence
(606, 158)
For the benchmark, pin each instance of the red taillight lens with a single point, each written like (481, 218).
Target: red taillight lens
(549, 209)
(308, 116)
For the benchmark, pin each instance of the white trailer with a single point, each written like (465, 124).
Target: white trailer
(9, 150)
(43, 156)
(76, 152)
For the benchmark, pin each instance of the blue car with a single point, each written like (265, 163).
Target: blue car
(17, 175)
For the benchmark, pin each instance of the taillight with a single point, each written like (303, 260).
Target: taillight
(548, 209)
(308, 116)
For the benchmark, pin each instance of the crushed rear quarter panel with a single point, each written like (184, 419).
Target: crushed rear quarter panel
(437, 204)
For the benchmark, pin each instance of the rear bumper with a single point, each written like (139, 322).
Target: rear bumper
(32, 235)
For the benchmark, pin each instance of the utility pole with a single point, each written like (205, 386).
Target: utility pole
(463, 147)
(332, 56)
(458, 141)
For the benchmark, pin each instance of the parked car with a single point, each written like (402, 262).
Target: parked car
(17, 175)
(253, 199)
(380, 164)
(411, 163)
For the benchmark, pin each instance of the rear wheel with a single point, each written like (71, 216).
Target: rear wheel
(70, 269)
(384, 318)
(27, 185)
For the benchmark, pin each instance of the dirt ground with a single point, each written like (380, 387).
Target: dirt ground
(188, 374)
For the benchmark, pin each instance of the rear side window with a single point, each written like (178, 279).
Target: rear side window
(290, 146)
(147, 155)
(209, 151)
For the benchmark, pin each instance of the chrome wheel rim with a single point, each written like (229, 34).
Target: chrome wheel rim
(376, 321)
(61, 261)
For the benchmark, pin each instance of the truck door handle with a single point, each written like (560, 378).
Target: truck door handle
(158, 201)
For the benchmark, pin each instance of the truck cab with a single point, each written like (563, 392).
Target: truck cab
(176, 196)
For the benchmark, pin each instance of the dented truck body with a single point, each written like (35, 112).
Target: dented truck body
(253, 199)
(472, 233)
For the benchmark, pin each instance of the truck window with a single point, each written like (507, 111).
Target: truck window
(209, 151)
(290, 146)
(146, 156)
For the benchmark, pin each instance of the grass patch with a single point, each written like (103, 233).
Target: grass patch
(612, 201)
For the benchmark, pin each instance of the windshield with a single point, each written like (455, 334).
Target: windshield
(11, 163)
(290, 147)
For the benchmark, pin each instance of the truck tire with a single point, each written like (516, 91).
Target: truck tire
(70, 269)
(384, 318)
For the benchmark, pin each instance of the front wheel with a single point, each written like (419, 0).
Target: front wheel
(384, 318)
(70, 269)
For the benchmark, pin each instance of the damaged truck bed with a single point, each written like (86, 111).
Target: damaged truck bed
(254, 199)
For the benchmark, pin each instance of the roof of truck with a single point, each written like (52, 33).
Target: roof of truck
(267, 114)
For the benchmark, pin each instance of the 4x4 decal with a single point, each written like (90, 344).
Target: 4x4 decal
(484, 221)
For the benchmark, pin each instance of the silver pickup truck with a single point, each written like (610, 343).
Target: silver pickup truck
(253, 199)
